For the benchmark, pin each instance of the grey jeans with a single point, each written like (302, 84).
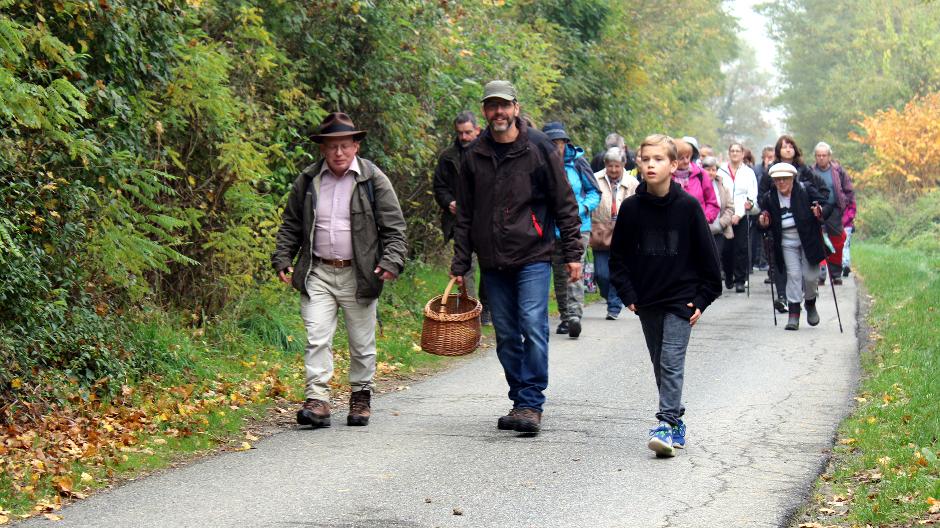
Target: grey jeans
(801, 273)
(667, 338)
(568, 295)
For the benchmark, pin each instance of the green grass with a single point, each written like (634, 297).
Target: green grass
(885, 466)
(254, 344)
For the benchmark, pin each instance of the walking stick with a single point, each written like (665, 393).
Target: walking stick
(768, 250)
(834, 300)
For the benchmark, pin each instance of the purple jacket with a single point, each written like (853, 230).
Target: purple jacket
(842, 185)
(700, 186)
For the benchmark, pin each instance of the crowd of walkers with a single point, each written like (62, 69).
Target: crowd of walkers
(665, 225)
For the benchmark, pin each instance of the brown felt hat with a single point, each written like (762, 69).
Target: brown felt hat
(335, 125)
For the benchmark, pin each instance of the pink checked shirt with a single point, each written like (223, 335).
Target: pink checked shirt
(332, 235)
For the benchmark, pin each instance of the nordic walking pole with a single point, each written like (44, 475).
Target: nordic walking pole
(747, 218)
(834, 300)
(768, 250)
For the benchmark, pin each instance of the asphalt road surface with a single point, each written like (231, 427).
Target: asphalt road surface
(762, 407)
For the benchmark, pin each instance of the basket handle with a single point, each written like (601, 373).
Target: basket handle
(450, 286)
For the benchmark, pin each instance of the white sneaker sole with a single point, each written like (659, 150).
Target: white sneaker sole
(661, 448)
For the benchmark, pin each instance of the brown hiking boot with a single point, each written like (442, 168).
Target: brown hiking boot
(315, 413)
(359, 408)
(528, 421)
(508, 422)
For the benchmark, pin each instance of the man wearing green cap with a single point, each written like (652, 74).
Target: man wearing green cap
(513, 192)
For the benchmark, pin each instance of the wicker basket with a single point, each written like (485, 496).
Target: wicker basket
(451, 323)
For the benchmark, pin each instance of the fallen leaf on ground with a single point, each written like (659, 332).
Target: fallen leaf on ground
(52, 516)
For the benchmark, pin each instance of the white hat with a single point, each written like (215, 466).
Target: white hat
(782, 170)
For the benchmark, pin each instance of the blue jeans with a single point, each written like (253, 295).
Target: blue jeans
(518, 302)
(602, 276)
(667, 338)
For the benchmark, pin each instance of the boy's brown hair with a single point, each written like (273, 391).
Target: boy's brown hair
(661, 140)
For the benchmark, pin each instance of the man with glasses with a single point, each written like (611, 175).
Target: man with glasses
(511, 194)
(331, 200)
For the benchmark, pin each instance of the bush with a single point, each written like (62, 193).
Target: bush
(901, 223)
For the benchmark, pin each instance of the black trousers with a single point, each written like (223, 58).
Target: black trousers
(757, 249)
(741, 264)
(726, 254)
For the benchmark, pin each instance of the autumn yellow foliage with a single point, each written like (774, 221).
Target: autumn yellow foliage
(905, 147)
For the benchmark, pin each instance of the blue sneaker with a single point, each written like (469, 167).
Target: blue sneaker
(661, 440)
(678, 435)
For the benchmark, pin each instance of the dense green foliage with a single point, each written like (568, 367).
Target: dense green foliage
(840, 60)
(146, 146)
(901, 222)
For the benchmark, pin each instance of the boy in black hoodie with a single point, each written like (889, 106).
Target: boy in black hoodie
(664, 265)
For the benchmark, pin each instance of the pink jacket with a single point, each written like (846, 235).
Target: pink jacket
(700, 186)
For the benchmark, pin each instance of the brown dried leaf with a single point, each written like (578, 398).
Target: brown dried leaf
(63, 484)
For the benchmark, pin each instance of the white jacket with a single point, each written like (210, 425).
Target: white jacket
(743, 188)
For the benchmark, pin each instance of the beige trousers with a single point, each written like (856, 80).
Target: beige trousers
(330, 289)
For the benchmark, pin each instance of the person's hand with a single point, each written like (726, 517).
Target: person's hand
(385, 275)
(817, 210)
(695, 315)
(285, 277)
(453, 207)
(763, 219)
(735, 219)
(574, 271)
(632, 308)
(748, 205)
(458, 277)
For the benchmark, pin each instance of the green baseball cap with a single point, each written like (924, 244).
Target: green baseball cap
(500, 90)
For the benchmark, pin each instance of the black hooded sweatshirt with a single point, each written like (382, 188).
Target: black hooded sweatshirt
(662, 254)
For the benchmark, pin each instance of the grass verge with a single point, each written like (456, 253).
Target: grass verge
(885, 469)
(207, 390)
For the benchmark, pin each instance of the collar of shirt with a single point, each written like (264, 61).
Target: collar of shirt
(353, 168)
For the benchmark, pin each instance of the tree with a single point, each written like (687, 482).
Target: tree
(741, 106)
(840, 60)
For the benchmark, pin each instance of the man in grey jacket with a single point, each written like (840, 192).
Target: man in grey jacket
(344, 226)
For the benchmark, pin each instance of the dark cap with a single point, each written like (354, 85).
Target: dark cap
(499, 90)
(555, 130)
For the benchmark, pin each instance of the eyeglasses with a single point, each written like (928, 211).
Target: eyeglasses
(498, 104)
(335, 148)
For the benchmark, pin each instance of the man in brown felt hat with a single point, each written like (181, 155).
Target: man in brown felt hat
(344, 226)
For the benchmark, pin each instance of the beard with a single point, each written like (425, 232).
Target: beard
(500, 127)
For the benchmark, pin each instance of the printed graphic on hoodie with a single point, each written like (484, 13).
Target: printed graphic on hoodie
(659, 243)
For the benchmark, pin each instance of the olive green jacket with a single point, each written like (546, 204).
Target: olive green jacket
(377, 223)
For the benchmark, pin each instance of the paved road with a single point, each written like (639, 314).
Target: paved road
(762, 403)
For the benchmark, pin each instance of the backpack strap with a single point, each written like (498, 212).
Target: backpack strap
(368, 170)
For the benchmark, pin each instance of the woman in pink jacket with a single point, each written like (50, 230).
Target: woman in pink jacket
(696, 181)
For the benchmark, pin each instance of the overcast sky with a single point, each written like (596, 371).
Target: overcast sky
(755, 34)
